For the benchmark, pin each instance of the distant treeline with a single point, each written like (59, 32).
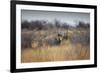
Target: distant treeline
(41, 24)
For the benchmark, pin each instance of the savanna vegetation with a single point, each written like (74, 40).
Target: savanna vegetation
(43, 41)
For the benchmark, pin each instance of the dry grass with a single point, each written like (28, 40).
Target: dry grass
(64, 52)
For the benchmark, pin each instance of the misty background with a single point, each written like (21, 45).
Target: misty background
(71, 18)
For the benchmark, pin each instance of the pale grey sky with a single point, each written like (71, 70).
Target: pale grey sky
(69, 17)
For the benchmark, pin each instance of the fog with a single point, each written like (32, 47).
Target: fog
(71, 18)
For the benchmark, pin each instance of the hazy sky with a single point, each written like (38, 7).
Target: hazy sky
(69, 17)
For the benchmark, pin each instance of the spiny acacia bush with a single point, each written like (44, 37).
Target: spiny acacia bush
(81, 34)
(40, 24)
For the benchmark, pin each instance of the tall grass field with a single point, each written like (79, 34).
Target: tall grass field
(37, 49)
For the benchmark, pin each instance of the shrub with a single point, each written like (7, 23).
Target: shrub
(82, 38)
(26, 40)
